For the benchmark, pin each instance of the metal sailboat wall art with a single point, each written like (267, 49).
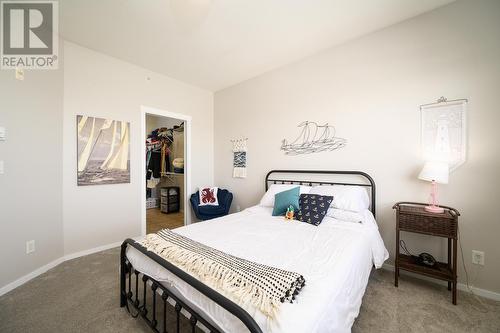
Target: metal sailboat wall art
(103, 151)
(313, 138)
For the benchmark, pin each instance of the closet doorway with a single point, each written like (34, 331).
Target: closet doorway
(165, 170)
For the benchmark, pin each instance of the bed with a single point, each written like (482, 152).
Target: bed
(335, 258)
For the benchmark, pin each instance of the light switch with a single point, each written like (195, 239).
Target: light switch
(1, 167)
(2, 134)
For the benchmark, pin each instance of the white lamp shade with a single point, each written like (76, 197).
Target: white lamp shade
(435, 171)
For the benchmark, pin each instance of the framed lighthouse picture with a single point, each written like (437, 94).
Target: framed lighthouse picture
(444, 131)
(103, 147)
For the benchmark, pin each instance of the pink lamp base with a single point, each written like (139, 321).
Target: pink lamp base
(434, 209)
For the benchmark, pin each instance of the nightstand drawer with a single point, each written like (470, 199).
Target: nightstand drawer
(428, 225)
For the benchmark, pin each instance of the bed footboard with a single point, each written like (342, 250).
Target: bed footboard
(159, 307)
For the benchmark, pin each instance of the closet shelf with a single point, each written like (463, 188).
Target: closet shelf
(172, 174)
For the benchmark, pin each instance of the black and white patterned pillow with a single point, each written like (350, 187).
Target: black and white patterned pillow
(313, 208)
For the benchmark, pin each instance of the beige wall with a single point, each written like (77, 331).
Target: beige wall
(98, 85)
(154, 122)
(371, 89)
(39, 198)
(31, 187)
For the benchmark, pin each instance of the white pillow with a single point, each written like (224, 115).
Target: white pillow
(345, 215)
(268, 198)
(346, 197)
(208, 196)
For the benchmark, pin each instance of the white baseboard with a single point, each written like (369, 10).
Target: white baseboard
(91, 251)
(22, 280)
(460, 286)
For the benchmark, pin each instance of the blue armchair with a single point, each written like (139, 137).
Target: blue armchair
(211, 212)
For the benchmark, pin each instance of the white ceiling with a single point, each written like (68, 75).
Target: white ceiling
(217, 43)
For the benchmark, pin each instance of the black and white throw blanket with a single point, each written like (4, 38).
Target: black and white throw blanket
(243, 281)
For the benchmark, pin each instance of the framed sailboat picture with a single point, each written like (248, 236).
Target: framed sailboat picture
(103, 151)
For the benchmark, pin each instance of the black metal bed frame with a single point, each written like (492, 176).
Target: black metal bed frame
(154, 307)
(367, 177)
(140, 305)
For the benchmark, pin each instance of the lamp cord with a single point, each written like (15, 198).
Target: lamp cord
(469, 288)
(403, 246)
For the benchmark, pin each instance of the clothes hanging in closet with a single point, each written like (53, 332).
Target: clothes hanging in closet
(159, 155)
(158, 162)
(154, 165)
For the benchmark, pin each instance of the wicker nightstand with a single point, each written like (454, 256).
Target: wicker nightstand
(411, 217)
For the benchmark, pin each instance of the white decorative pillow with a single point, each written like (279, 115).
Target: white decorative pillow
(345, 215)
(208, 196)
(268, 198)
(346, 197)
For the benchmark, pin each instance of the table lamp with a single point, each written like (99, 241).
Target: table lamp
(435, 172)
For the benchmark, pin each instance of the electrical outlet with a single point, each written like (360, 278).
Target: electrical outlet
(238, 208)
(30, 246)
(478, 257)
(20, 74)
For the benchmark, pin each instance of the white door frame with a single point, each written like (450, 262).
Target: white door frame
(145, 110)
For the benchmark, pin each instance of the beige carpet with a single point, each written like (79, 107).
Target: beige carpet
(81, 295)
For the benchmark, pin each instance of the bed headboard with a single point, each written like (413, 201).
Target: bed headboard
(324, 177)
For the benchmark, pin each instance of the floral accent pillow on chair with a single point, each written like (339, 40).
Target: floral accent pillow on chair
(208, 196)
(313, 208)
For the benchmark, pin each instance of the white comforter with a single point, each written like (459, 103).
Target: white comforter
(335, 258)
